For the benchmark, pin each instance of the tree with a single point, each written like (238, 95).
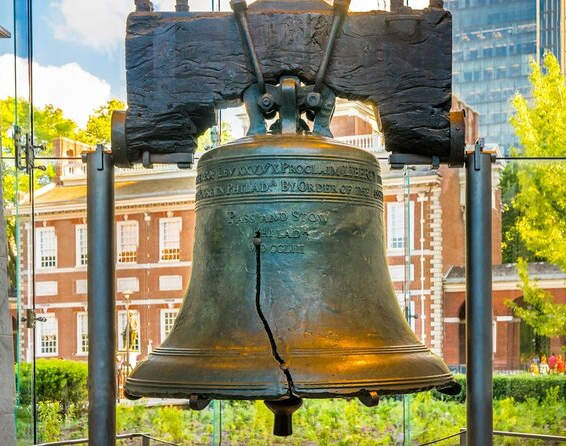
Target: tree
(212, 138)
(547, 317)
(513, 248)
(540, 202)
(98, 127)
(49, 123)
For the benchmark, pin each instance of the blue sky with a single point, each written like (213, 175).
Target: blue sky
(79, 50)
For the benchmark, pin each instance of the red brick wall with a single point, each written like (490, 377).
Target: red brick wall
(349, 125)
(148, 253)
(507, 333)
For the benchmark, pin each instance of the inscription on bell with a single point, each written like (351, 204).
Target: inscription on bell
(272, 217)
(318, 168)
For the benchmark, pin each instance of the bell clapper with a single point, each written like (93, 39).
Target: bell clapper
(196, 402)
(369, 399)
(283, 410)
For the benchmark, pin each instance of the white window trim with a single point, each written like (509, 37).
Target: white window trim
(162, 321)
(411, 240)
(77, 246)
(38, 334)
(38, 231)
(494, 338)
(161, 236)
(79, 333)
(133, 223)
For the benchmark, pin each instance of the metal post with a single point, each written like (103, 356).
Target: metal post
(101, 300)
(479, 344)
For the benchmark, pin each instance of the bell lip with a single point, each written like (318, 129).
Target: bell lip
(154, 389)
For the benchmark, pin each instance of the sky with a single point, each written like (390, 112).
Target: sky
(79, 50)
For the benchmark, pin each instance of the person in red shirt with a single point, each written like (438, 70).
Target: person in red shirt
(552, 363)
(560, 365)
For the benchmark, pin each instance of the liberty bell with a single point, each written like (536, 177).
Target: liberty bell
(290, 295)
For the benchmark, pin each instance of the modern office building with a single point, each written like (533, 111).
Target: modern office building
(551, 16)
(493, 43)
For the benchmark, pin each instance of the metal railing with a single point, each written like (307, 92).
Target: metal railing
(77, 169)
(372, 143)
(145, 438)
(549, 439)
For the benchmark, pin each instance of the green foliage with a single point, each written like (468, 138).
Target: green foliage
(512, 246)
(212, 138)
(50, 420)
(547, 317)
(169, 424)
(535, 224)
(541, 197)
(56, 380)
(98, 127)
(346, 422)
(129, 418)
(521, 388)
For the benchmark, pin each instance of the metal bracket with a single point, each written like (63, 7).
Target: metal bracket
(456, 158)
(25, 152)
(120, 156)
(183, 160)
(31, 318)
(478, 151)
(398, 161)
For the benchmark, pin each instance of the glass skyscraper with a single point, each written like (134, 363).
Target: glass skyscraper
(550, 20)
(493, 43)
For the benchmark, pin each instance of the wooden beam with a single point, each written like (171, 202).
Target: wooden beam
(181, 67)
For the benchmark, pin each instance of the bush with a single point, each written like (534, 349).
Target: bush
(50, 420)
(519, 387)
(56, 380)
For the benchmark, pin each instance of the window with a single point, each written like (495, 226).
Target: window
(170, 239)
(127, 241)
(167, 320)
(46, 336)
(396, 228)
(82, 333)
(130, 332)
(127, 284)
(46, 243)
(80, 245)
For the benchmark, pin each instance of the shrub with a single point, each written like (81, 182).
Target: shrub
(56, 380)
(50, 420)
(519, 387)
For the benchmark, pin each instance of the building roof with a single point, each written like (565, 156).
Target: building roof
(124, 190)
(507, 272)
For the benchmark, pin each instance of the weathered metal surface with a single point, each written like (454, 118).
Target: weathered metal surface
(290, 291)
(399, 61)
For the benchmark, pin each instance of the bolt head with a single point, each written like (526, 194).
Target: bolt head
(266, 102)
(314, 100)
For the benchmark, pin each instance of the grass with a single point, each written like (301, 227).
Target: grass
(318, 422)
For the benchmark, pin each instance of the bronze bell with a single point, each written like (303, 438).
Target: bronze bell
(290, 295)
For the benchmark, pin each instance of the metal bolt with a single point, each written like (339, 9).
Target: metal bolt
(266, 102)
(314, 100)
(238, 5)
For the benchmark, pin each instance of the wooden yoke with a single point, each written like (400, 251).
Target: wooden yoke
(182, 66)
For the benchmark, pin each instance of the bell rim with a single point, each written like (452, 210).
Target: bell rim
(159, 389)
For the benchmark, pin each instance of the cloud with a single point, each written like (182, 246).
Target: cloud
(100, 24)
(164, 5)
(69, 87)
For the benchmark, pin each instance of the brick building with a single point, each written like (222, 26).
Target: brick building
(424, 216)
(512, 338)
